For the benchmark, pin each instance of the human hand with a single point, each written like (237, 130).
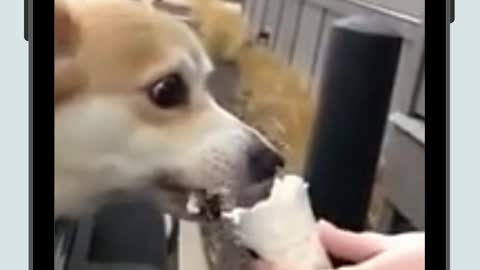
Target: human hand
(373, 251)
(368, 251)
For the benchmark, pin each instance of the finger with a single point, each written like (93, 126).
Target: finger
(411, 259)
(262, 265)
(346, 245)
(407, 240)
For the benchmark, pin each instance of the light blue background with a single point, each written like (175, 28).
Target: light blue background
(465, 136)
(13, 138)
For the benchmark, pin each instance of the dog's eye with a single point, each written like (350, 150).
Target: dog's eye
(168, 92)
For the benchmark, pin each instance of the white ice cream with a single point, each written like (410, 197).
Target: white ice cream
(281, 228)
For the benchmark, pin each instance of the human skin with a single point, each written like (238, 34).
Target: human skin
(367, 250)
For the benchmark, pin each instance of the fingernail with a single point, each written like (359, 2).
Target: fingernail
(345, 268)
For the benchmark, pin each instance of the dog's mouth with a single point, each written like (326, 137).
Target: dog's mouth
(208, 205)
(193, 204)
(224, 188)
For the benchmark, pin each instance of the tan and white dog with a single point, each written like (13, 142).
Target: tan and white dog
(132, 112)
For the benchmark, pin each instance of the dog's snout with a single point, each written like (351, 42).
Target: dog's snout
(264, 162)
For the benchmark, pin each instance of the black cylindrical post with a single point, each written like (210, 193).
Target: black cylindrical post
(358, 78)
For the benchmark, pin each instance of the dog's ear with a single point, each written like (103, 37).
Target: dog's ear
(69, 77)
(67, 32)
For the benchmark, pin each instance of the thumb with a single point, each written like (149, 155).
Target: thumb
(350, 246)
(264, 265)
(261, 265)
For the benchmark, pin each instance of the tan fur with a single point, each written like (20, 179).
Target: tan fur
(109, 137)
(66, 31)
(69, 78)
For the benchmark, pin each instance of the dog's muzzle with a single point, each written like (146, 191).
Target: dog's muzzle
(264, 162)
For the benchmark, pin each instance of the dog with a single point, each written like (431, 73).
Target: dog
(132, 112)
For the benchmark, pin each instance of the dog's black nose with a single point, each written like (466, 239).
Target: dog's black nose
(264, 163)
